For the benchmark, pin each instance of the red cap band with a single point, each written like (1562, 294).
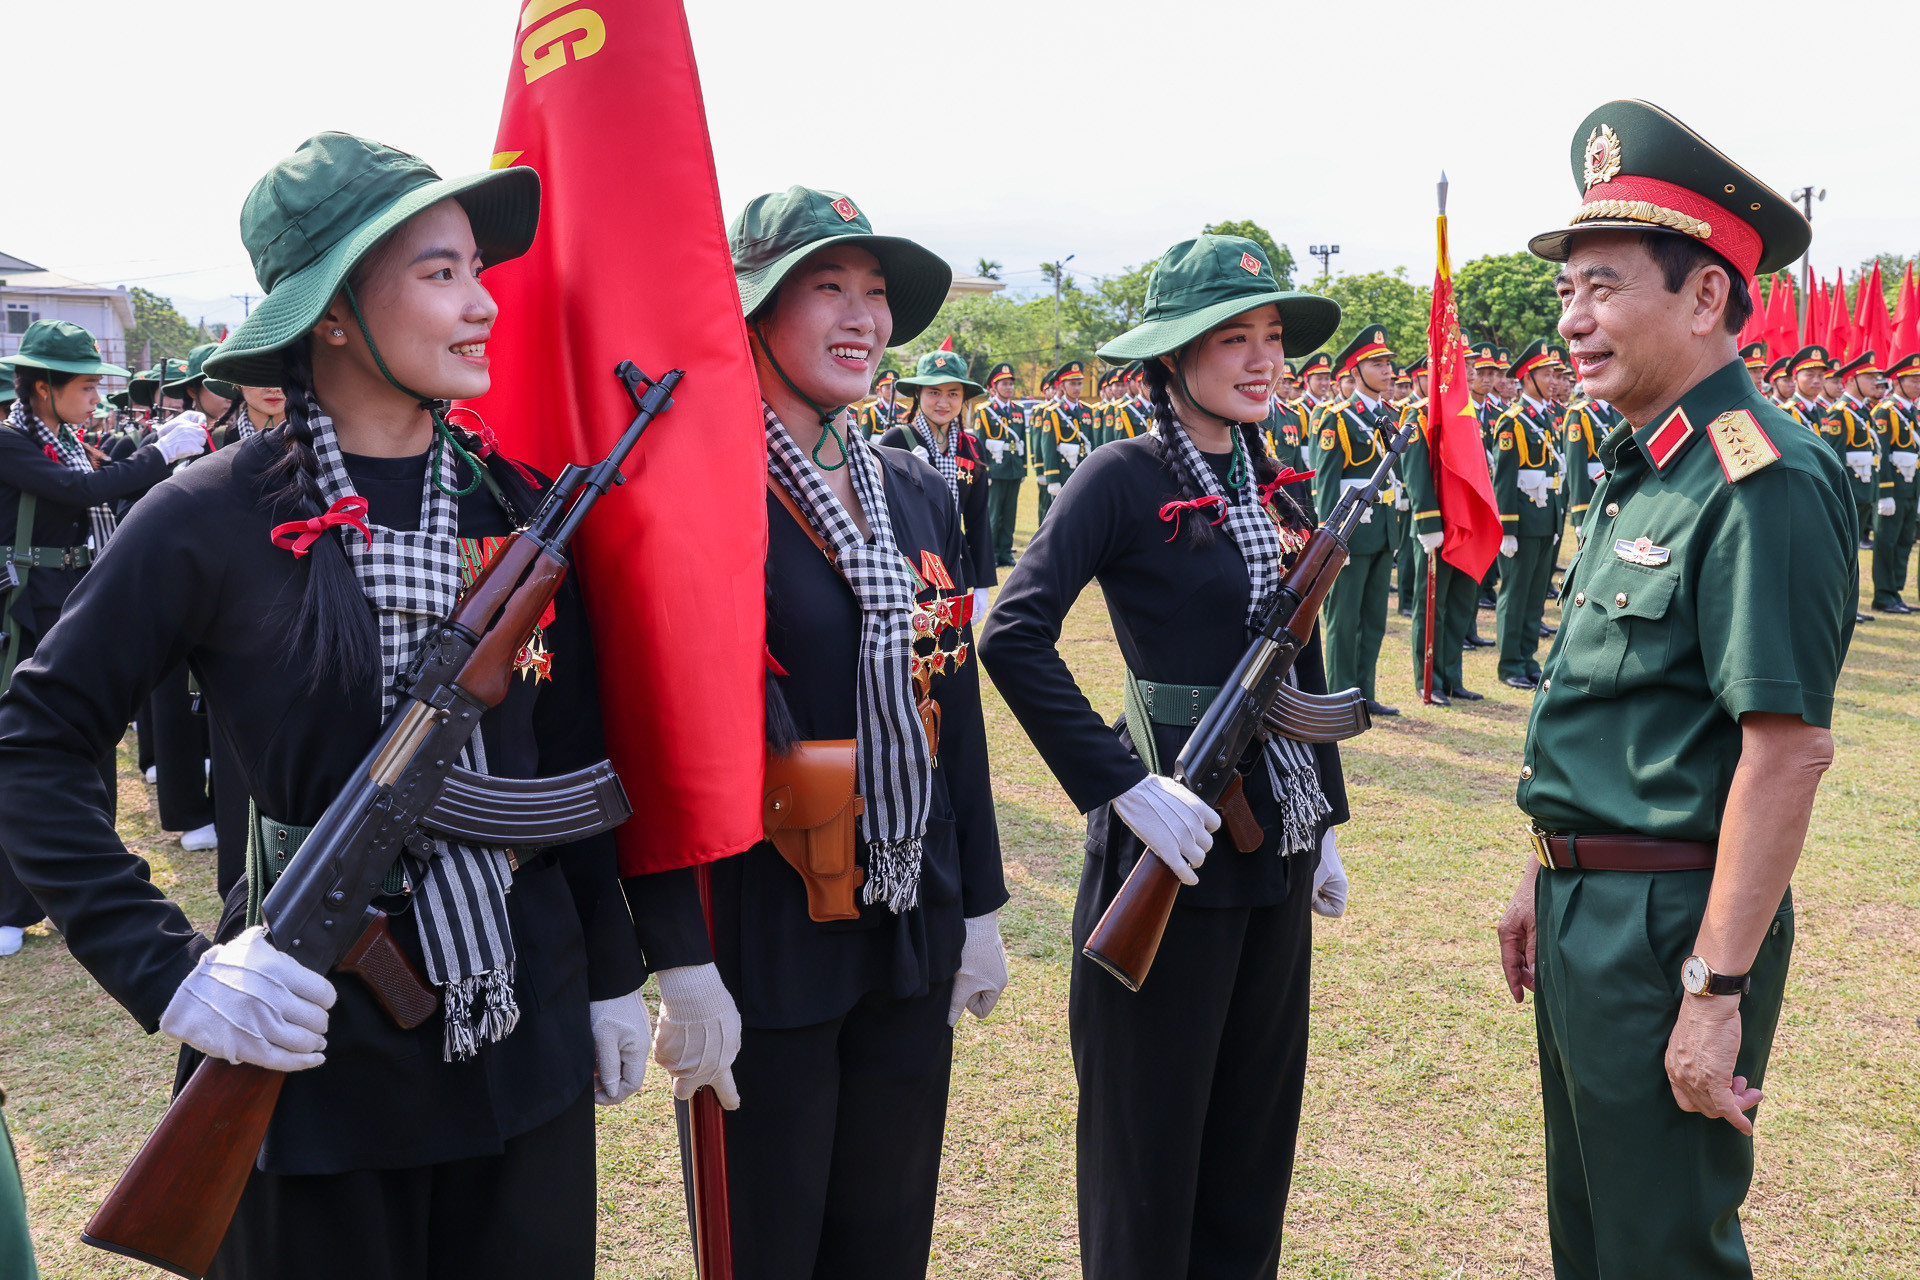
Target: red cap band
(1727, 234)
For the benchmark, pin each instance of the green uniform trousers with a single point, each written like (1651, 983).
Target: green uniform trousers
(1003, 508)
(1046, 500)
(1638, 1189)
(16, 1244)
(1455, 598)
(1356, 619)
(1892, 547)
(1523, 603)
(1407, 552)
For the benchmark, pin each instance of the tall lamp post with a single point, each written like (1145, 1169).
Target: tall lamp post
(1058, 265)
(1806, 196)
(1325, 253)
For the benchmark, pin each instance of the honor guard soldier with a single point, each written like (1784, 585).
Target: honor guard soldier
(1894, 419)
(1348, 445)
(1454, 594)
(1780, 382)
(1584, 426)
(1316, 375)
(1136, 415)
(1529, 524)
(1000, 423)
(877, 417)
(1036, 463)
(1065, 427)
(1681, 728)
(1808, 368)
(1848, 427)
(1404, 544)
(1754, 356)
(1832, 385)
(1286, 433)
(940, 389)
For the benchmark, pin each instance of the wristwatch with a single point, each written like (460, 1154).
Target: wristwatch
(1700, 980)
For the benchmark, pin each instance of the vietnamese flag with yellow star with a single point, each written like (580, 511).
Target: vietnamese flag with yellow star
(631, 263)
(1468, 513)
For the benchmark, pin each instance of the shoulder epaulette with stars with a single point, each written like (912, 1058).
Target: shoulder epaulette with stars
(1742, 446)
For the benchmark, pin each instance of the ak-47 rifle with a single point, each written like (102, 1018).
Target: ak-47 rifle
(1254, 700)
(173, 1205)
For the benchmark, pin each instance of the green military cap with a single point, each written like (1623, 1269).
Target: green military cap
(1371, 341)
(1815, 356)
(1783, 365)
(1865, 362)
(196, 374)
(1318, 362)
(999, 371)
(887, 376)
(938, 368)
(1201, 283)
(149, 385)
(1486, 356)
(318, 212)
(1907, 366)
(1071, 369)
(1641, 169)
(1417, 365)
(1503, 358)
(778, 231)
(61, 346)
(1560, 356)
(1535, 355)
(1755, 355)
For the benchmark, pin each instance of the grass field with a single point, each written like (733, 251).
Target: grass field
(1420, 1150)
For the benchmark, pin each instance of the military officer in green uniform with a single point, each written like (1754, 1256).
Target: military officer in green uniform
(1780, 381)
(1000, 424)
(1316, 375)
(1454, 593)
(1894, 420)
(1286, 434)
(1135, 414)
(1348, 444)
(878, 417)
(1065, 428)
(1529, 519)
(1585, 425)
(1405, 547)
(1754, 356)
(1808, 369)
(1034, 461)
(1681, 727)
(1847, 425)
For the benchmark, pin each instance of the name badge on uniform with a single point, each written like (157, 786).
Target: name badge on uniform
(1641, 551)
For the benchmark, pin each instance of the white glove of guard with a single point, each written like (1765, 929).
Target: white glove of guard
(979, 604)
(1170, 820)
(1860, 462)
(983, 969)
(183, 436)
(1330, 881)
(1430, 542)
(1054, 489)
(699, 1033)
(1886, 507)
(247, 1001)
(622, 1034)
(1509, 546)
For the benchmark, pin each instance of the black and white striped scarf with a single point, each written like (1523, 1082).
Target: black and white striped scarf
(894, 765)
(460, 896)
(1290, 765)
(72, 455)
(945, 461)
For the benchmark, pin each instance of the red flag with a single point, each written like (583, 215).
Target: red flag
(1816, 320)
(948, 344)
(1839, 323)
(1906, 319)
(1873, 331)
(1468, 514)
(1783, 324)
(1755, 329)
(631, 263)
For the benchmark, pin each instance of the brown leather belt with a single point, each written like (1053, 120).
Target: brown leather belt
(1621, 852)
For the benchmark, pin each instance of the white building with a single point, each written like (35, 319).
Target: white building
(29, 293)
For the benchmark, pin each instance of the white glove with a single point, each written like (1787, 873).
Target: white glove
(699, 1033)
(1509, 546)
(184, 436)
(1402, 502)
(1430, 542)
(1171, 821)
(1595, 470)
(979, 604)
(1054, 489)
(247, 1001)
(983, 969)
(1330, 881)
(1885, 507)
(1861, 463)
(622, 1035)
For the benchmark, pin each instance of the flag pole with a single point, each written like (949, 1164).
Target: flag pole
(1433, 557)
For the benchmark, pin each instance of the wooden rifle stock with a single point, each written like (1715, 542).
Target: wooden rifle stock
(172, 1206)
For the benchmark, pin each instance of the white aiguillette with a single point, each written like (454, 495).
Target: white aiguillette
(1641, 551)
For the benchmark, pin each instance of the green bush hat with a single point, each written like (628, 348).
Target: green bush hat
(1371, 341)
(196, 374)
(999, 371)
(1641, 169)
(8, 394)
(61, 346)
(318, 212)
(938, 368)
(778, 231)
(1201, 283)
(149, 385)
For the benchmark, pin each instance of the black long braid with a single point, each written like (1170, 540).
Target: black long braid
(333, 622)
(1200, 533)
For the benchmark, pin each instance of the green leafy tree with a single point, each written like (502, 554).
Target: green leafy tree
(1278, 254)
(989, 268)
(155, 322)
(1508, 298)
(1381, 297)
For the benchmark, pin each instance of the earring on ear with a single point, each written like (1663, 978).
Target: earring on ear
(339, 333)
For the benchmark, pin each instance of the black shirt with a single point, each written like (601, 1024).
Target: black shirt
(976, 530)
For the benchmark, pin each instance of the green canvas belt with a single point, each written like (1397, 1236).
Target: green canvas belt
(271, 845)
(51, 557)
(1176, 704)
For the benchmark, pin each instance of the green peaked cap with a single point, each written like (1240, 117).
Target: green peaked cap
(1369, 342)
(1201, 283)
(938, 368)
(999, 371)
(318, 212)
(778, 231)
(61, 346)
(196, 373)
(1318, 362)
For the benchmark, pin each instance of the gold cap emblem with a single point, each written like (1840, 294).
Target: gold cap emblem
(1603, 155)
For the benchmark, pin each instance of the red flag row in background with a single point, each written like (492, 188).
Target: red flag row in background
(1828, 322)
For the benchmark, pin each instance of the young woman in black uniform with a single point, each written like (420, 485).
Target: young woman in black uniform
(1189, 1088)
(464, 1146)
(937, 433)
(843, 1027)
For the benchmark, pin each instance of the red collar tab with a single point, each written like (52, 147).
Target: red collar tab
(1172, 511)
(1669, 438)
(298, 536)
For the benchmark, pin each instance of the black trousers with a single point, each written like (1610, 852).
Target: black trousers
(20, 908)
(526, 1212)
(833, 1158)
(1190, 1091)
(180, 756)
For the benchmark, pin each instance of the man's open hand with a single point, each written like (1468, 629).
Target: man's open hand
(1700, 1057)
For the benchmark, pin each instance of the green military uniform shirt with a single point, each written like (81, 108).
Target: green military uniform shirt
(1848, 428)
(1066, 437)
(1345, 452)
(1002, 431)
(876, 419)
(1586, 424)
(1894, 422)
(1135, 418)
(1524, 470)
(1286, 435)
(1718, 577)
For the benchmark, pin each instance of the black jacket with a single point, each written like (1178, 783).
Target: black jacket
(976, 530)
(1179, 616)
(783, 969)
(193, 576)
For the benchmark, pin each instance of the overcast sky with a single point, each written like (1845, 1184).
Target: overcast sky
(1017, 130)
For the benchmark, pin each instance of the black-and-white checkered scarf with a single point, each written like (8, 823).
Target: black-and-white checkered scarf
(894, 765)
(1290, 765)
(73, 456)
(945, 461)
(460, 896)
(242, 424)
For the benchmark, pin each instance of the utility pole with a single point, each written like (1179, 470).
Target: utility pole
(1057, 272)
(1325, 253)
(246, 302)
(1806, 196)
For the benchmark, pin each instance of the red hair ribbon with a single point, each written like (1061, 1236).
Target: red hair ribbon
(1173, 510)
(1287, 476)
(298, 536)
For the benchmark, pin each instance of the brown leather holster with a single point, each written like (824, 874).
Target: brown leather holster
(808, 813)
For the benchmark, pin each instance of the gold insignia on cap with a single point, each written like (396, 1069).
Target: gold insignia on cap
(1743, 447)
(1603, 155)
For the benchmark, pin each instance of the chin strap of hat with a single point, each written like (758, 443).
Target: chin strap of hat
(826, 415)
(1237, 473)
(443, 437)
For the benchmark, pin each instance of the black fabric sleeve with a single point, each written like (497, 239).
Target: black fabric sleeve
(1086, 527)
(32, 471)
(667, 918)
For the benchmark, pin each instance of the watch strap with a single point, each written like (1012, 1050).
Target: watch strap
(1727, 984)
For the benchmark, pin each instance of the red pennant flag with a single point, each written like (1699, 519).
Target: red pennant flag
(1873, 330)
(1755, 329)
(631, 263)
(1783, 327)
(1468, 513)
(1906, 319)
(1839, 323)
(1816, 319)
(948, 344)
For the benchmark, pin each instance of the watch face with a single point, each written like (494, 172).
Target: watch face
(1693, 975)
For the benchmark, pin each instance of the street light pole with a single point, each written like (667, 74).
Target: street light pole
(1806, 196)
(1325, 253)
(1057, 266)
